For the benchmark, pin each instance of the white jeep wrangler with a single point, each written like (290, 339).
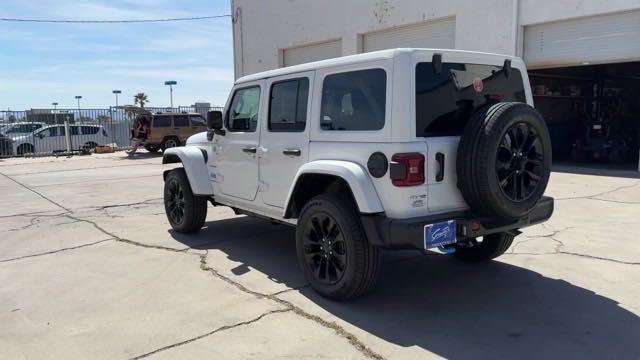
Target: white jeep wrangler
(400, 149)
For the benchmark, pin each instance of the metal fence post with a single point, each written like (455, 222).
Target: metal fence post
(67, 135)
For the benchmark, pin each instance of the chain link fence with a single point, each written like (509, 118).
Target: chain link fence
(60, 131)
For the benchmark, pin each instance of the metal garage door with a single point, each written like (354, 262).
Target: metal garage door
(433, 34)
(598, 39)
(309, 53)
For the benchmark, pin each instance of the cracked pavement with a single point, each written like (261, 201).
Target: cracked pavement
(89, 267)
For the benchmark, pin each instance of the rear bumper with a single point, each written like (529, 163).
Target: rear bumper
(409, 233)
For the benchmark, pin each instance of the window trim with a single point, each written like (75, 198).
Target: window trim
(226, 113)
(306, 115)
(386, 99)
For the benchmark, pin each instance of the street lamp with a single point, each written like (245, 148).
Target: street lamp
(171, 83)
(55, 112)
(78, 97)
(117, 92)
(55, 105)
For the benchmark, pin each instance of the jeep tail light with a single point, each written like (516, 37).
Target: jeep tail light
(407, 169)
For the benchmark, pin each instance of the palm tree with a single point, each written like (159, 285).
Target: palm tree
(141, 98)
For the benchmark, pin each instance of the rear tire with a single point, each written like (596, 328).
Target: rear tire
(24, 149)
(333, 251)
(170, 142)
(490, 248)
(185, 211)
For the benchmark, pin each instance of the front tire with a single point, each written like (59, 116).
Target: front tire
(152, 148)
(490, 248)
(185, 211)
(333, 251)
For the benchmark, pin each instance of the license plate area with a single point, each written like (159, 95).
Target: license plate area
(439, 234)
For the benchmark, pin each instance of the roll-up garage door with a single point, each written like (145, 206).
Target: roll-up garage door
(432, 34)
(309, 53)
(598, 39)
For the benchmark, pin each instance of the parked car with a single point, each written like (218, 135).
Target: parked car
(169, 130)
(52, 138)
(6, 145)
(399, 149)
(20, 128)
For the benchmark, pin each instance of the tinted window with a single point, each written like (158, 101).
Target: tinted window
(90, 130)
(180, 121)
(243, 112)
(52, 131)
(198, 121)
(445, 101)
(354, 100)
(75, 130)
(288, 105)
(162, 121)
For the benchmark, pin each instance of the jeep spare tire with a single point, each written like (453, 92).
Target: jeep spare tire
(504, 160)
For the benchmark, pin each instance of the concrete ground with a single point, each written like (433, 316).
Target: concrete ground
(89, 267)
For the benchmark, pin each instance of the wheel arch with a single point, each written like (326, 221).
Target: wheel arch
(194, 162)
(334, 176)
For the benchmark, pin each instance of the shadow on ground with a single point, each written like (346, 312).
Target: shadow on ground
(622, 171)
(452, 309)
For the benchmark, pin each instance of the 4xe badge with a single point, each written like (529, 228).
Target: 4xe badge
(478, 85)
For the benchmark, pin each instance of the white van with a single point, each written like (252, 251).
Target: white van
(50, 139)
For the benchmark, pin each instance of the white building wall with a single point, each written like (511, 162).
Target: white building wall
(263, 28)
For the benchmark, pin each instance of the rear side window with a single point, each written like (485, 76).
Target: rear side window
(288, 105)
(354, 100)
(198, 121)
(90, 130)
(446, 101)
(180, 120)
(162, 121)
(242, 115)
(75, 130)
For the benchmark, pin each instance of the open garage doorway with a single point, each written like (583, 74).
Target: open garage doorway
(593, 113)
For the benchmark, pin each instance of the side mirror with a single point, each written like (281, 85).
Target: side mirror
(214, 124)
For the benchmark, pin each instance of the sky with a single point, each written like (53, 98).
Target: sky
(45, 63)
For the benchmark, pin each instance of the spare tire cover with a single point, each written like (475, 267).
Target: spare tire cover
(504, 160)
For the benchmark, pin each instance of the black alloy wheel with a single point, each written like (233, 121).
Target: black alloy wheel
(175, 202)
(325, 249)
(519, 162)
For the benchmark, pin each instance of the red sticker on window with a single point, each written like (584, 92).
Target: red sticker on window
(478, 85)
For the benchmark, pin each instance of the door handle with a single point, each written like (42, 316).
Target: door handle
(250, 149)
(292, 152)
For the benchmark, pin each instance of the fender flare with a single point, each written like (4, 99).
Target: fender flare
(194, 162)
(359, 181)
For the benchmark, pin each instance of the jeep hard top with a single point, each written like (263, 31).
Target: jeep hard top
(400, 149)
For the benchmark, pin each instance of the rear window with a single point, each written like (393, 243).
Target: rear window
(354, 100)
(162, 121)
(445, 101)
(181, 121)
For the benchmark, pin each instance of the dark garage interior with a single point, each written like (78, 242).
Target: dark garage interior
(593, 113)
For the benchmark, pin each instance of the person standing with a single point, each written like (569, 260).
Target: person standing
(139, 133)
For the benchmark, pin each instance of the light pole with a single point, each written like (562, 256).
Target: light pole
(55, 112)
(117, 92)
(171, 83)
(78, 97)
